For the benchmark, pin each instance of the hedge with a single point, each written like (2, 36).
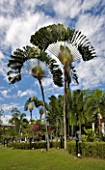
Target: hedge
(22, 145)
(88, 149)
(35, 145)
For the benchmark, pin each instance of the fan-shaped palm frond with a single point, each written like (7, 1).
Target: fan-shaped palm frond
(21, 59)
(77, 42)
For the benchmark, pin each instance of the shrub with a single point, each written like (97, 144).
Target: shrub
(88, 149)
(22, 145)
(34, 145)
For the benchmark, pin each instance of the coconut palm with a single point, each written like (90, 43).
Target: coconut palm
(67, 45)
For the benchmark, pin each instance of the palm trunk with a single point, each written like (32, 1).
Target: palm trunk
(72, 131)
(64, 114)
(30, 115)
(42, 91)
(80, 131)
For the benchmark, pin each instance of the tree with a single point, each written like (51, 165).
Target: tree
(1, 113)
(55, 114)
(34, 102)
(41, 112)
(18, 120)
(94, 104)
(31, 109)
(78, 108)
(20, 57)
(67, 45)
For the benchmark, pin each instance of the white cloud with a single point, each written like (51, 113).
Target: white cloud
(67, 8)
(1, 56)
(4, 93)
(8, 107)
(94, 28)
(88, 4)
(91, 74)
(2, 65)
(5, 119)
(20, 29)
(25, 93)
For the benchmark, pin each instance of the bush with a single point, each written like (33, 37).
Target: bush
(58, 144)
(34, 145)
(88, 149)
(22, 145)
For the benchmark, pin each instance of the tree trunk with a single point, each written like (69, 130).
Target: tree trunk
(64, 111)
(30, 115)
(72, 131)
(80, 131)
(42, 91)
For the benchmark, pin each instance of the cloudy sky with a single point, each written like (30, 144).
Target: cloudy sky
(20, 19)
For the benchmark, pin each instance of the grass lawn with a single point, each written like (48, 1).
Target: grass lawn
(51, 160)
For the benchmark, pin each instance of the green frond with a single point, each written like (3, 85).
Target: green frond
(14, 79)
(59, 33)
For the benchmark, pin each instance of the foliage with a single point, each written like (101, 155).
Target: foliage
(94, 103)
(55, 114)
(18, 121)
(21, 56)
(24, 145)
(89, 149)
(89, 135)
(53, 33)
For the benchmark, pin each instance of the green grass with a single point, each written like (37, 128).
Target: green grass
(52, 160)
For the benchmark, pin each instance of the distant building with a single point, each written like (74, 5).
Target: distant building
(101, 125)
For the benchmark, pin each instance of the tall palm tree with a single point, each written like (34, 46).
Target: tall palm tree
(67, 45)
(20, 57)
(39, 73)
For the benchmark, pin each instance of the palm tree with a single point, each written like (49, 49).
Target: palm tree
(39, 73)
(94, 103)
(31, 109)
(41, 111)
(67, 45)
(55, 113)
(1, 113)
(18, 120)
(33, 101)
(21, 57)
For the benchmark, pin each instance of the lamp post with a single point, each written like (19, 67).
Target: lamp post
(77, 140)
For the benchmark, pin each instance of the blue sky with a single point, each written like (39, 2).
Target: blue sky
(20, 19)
